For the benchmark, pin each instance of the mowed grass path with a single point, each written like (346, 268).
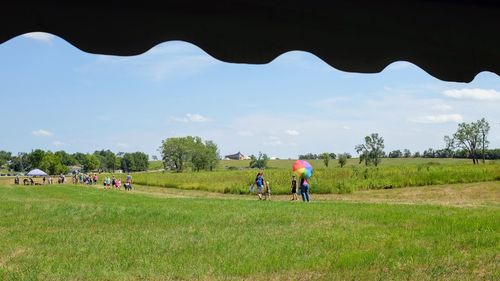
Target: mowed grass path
(77, 233)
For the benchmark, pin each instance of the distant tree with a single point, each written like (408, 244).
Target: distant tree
(333, 156)
(80, 158)
(20, 163)
(406, 153)
(372, 150)
(134, 162)
(259, 162)
(52, 164)
(5, 157)
(35, 158)
(326, 158)
(470, 137)
(179, 153)
(66, 158)
(395, 154)
(429, 153)
(348, 155)
(107, 160)
(91, 163)
(416, 154)
(484, 129)
(342, 159)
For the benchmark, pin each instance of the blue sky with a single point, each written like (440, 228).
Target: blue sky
(55, 97)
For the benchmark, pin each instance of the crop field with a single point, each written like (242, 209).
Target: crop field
(329, 180)
(78, 233)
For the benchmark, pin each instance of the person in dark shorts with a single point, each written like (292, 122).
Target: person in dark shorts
(294, 189)
(128, 182)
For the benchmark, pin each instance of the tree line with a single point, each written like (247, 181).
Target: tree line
(59, 162)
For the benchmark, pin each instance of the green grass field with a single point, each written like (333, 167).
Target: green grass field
(332, 179)
(80, 233)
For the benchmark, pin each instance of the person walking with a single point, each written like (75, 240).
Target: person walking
(304, 189)
(260, 184)
(267, 195)
(294, 189)
(128, 182)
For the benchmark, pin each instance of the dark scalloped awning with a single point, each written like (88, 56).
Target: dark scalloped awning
(451, 40)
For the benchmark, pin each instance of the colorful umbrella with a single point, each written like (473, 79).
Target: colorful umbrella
(302, 169)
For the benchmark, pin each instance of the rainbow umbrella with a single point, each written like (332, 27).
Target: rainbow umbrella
(302, 169)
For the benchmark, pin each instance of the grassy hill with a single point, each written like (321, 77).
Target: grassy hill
(76, 233)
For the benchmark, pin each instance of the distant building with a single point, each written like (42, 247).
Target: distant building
(237, 156)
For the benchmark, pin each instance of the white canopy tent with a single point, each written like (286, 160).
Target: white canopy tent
(36, 173)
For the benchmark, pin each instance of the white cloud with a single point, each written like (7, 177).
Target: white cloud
(170, 60)
(245, 133)
(273, 141)
(58, 143)
(39, 36)
(442, 107)
(197, 118)
(346, 127)
(291, 132)
(474, 94)
(42, 133)
(122, 145)
(441, 118)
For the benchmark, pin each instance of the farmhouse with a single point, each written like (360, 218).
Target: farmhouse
(237, 156)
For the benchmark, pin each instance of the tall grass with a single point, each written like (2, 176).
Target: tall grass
(327, 180)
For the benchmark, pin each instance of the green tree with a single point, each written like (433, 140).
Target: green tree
(326, 158)
(91, 163)
(5, 157)
(107, 160)
(259, 162)
(395, 154)
(406, 153)
(135, 162)
(484, 129)
(35, 158)
(80, 158)
(20, 163)
(180, 153)
(469, 137)
(342, 159)
(66, 158)
(52, 164)
(372, 150)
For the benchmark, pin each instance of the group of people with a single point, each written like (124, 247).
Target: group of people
(264, 190)
(45, 180)
(108, 182)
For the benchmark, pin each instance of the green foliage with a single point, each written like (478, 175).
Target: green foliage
(20, 163)
(4, 157)
(342, 160)
(471, 137)
(91, 163)
(372, 150)
(182, 152)
(107, 160)
(52, 164)
(259, 162)
(326, 158)
(35, 158)
(66, 159)
(135, 162)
